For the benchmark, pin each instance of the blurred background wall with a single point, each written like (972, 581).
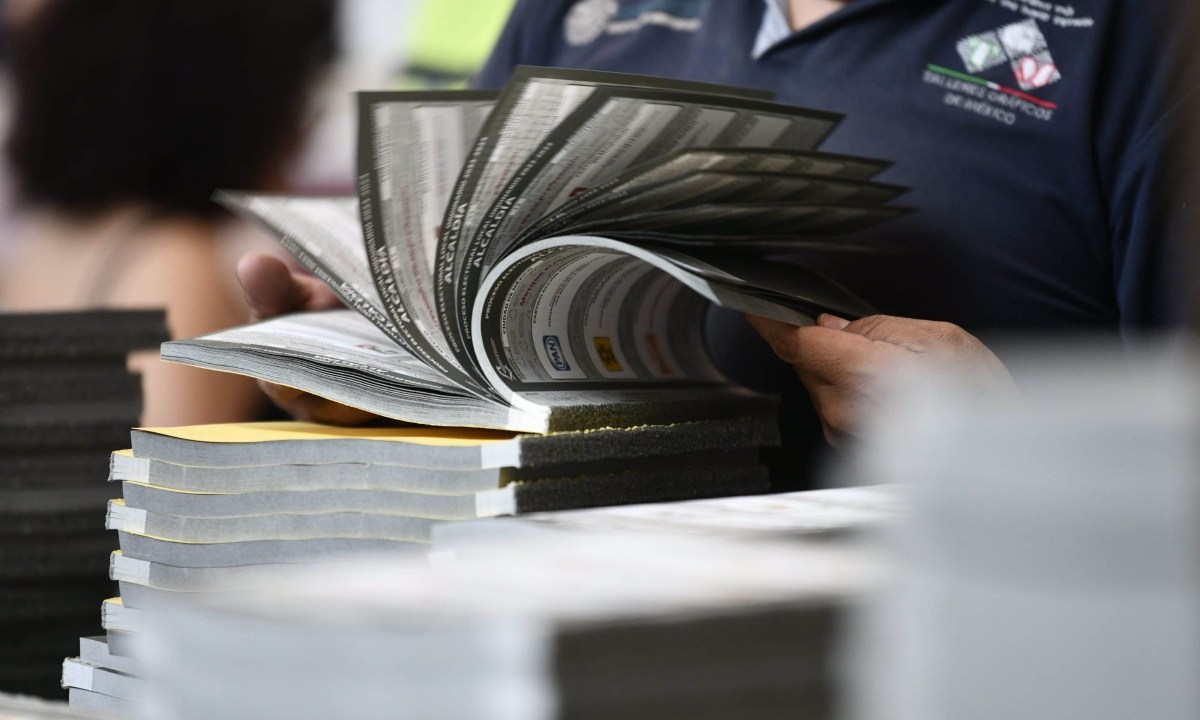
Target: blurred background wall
(393, 44)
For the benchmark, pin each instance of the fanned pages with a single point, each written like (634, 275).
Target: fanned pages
(560, 282)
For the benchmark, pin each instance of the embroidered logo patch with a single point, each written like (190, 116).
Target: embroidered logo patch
(1021, 45)
(587, 20)
(981, 52)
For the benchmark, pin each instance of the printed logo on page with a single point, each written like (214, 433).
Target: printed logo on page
(606, 353)
(555, 353)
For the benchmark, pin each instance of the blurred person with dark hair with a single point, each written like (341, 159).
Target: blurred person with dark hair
(128, 115)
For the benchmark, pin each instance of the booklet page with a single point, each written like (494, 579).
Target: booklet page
(341, 356)
(535, 103)
(575, 316)
(746, 227)
(692, 161)
(530, 109)
(619, 129)
(411, 150)
(567, 313)
(325, 236)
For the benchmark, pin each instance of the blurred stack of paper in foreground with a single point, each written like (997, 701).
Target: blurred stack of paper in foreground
(593, 626)
(99, 680)
(22, 707)
(66, 396)
(1051, 561)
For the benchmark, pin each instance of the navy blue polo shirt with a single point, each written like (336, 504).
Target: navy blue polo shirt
(1025, 128)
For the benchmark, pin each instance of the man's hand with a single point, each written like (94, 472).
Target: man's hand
(844, 365)
(273, 288)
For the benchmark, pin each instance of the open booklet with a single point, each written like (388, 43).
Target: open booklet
(542, 258)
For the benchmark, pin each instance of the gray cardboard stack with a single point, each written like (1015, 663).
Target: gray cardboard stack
(65, 397)
(591, 626)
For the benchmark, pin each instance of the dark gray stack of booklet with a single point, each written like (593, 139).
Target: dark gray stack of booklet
(66, 397)
(587, 627)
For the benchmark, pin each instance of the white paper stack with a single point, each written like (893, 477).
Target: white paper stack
(100, 681)
(211, 507)
(589, 627)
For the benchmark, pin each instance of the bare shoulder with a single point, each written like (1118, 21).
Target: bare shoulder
(182, 266)
(185, 270)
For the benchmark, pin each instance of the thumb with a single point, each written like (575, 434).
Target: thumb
(776, 333)
(819, 349)
(269, 286)
(780, 334)
(832, 321)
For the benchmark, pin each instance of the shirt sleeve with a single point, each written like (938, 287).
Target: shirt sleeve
(1151, 223)
(1134, 141)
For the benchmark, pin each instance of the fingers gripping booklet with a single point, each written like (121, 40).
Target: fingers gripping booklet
(542, 259)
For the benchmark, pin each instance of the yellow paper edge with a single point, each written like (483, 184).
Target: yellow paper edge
(254, 432)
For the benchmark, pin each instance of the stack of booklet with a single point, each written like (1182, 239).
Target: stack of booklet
(66, 396)
(561, 281)
(800, 516)
(587, 627)
(101, 681)
(216, 508)
(24, 707)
